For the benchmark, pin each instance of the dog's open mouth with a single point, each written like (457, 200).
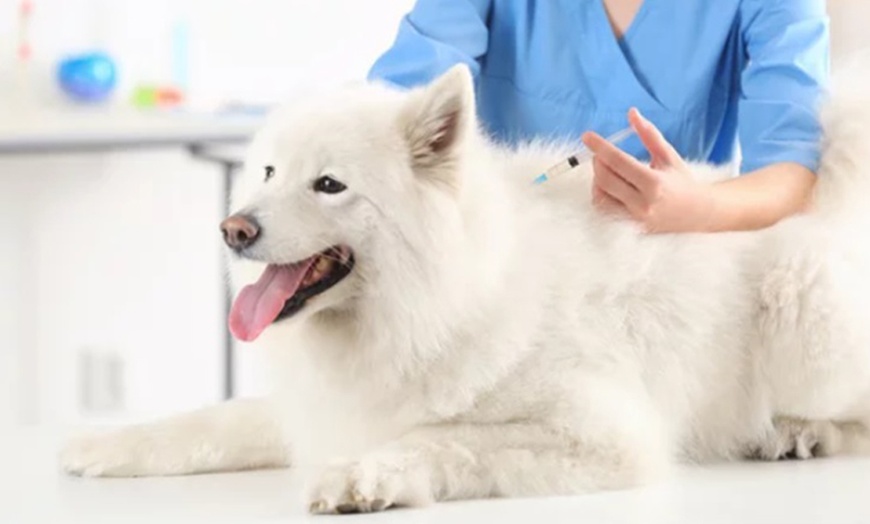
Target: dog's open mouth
(283, 290)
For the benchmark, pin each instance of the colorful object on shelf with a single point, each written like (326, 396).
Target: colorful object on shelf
(88, 77)
(155, 96)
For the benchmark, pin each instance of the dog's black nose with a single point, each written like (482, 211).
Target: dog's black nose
(240, 231)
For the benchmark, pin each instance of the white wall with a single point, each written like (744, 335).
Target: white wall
(850, 20)
(121, 252)
(238, 49)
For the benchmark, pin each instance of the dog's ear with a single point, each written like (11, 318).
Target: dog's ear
(437, 118)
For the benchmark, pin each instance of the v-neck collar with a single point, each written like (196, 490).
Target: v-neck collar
(636, 20)
(613, 46)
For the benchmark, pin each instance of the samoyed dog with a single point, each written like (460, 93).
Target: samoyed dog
(441, 328)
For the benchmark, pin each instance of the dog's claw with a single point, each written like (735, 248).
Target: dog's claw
(318, 506)
(795, 439)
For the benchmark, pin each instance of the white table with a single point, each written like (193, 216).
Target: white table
(99, 130)
(822, 491)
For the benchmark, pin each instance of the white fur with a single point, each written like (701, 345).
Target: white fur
(502, 339)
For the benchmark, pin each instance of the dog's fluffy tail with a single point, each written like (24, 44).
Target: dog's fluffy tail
(843, 186)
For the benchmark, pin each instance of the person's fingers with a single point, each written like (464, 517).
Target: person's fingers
(617, 188)
(639, 175)
(605, 203)
(662, 153)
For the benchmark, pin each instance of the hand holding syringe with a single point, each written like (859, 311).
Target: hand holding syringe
(584, 155)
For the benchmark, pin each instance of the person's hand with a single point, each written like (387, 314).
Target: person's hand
(662, 196)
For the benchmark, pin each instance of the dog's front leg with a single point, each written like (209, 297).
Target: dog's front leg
(603, 445)
(235, 435)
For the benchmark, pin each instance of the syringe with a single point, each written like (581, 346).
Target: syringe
(580, 157)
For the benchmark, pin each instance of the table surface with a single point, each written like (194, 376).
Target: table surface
(31, 490)
(35, 131)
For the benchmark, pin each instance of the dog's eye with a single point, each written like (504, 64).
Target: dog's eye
(328, 185)
(270, 172)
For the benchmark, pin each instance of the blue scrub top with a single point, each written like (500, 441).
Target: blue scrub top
(706, 72)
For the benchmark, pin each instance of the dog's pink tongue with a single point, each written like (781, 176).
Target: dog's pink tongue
(259, 304)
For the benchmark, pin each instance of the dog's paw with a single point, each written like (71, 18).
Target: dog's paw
(375, 483)
(114, 454)
(797, 439)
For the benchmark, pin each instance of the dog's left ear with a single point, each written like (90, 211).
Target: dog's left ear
(437, 118)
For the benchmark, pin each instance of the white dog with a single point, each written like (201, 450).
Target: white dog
(443, 329)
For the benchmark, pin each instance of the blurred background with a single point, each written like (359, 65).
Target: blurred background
(111, 285)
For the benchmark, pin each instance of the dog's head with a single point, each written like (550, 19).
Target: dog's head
(346, 192)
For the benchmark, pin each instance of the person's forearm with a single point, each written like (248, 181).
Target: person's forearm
(761, 198)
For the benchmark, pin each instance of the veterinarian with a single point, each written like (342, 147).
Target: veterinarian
(694, 78)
